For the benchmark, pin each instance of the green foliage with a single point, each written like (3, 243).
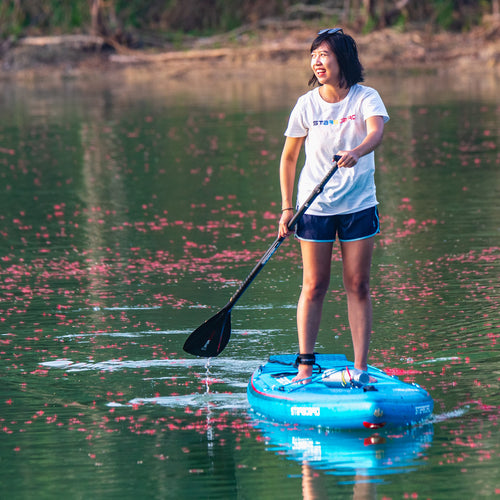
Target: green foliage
(370, 25)
(11, 19)
(43, 16)
(444, 10)
(400, 22)
(203, 17)
(67, 15)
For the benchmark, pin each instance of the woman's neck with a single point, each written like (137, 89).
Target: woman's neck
(332, 94)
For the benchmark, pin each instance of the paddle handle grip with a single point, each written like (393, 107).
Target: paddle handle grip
(278, 241)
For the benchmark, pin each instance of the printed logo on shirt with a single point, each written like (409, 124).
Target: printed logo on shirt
(340, 121)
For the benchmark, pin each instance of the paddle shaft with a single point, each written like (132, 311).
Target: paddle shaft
(279, 240)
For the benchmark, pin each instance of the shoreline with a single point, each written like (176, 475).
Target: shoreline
(386, 50)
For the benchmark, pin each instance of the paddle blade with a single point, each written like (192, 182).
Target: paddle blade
(210, 338)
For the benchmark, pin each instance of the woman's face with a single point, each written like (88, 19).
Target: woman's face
(325, 66)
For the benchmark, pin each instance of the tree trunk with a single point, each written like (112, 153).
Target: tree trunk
(496, 8)
(95, 9)
(345, 13)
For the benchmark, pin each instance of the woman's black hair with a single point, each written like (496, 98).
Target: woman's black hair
(345, 49)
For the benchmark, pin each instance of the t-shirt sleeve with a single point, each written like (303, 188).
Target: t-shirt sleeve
(374, 106)
(296, 123)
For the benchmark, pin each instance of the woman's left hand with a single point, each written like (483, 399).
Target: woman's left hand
(348, 159)
(375, 132)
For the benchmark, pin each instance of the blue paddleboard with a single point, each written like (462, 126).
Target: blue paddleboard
(334, 398)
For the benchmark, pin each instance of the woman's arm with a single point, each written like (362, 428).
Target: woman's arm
(374, 135)
(288, 165)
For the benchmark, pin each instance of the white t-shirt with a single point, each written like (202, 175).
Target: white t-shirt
(330, 128)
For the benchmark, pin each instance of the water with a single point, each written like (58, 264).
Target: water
(131, 209)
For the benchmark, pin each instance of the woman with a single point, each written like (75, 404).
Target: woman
(341, 117)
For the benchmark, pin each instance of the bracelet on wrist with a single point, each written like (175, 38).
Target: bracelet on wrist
(285, 209)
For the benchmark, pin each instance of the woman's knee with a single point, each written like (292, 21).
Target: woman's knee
(314, 290)
(357, 285)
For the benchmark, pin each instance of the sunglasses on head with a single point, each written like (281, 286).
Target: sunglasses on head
(331, 31)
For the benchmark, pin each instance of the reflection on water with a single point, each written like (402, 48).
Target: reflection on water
(362, 453)
(366, 456)
(132, 208)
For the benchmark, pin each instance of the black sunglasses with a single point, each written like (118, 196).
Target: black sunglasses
(331, 31)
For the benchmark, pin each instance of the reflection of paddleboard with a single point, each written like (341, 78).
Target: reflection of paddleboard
(337, 400)
(355, 451)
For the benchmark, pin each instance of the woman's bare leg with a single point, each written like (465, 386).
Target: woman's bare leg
(316, 259)
(356, 262)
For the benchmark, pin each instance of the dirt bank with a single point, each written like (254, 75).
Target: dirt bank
(477, 51)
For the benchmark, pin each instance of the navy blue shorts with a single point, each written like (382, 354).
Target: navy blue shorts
(349, 227)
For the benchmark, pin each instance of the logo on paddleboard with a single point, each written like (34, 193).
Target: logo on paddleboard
(419, 410)
(308, 411)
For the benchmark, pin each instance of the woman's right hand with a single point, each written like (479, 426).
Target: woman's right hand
(286, 217)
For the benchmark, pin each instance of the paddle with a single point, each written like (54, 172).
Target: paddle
(210, 338)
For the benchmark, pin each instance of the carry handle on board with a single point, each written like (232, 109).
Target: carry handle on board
(211, 337)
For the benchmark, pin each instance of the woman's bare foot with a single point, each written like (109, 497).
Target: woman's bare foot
(304, 374)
